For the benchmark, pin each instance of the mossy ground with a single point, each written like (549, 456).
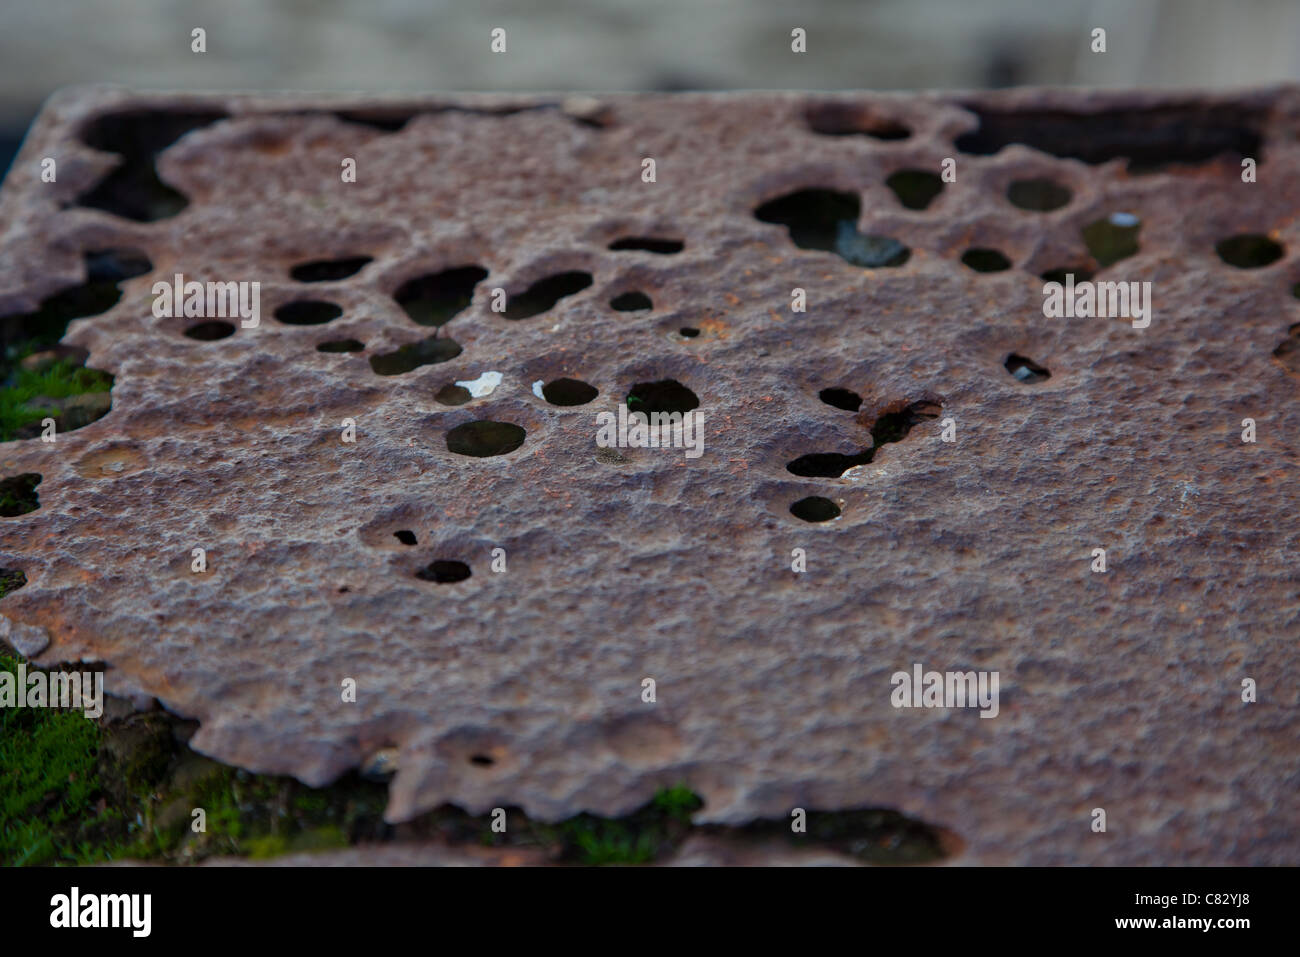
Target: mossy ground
(125, 786)
(59, 380)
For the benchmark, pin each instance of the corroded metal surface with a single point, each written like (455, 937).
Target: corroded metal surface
(1119, 690)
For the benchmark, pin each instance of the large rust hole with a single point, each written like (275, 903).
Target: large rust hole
(18, 494)
(11, 579)
(827, 464)
(844, 399)
(985, 260)
(1249, 251)
(133, 190)
(308, 312)
(915, 188)
(1111, 239)
(413, 355)
(1026, 370)
(631, 302)
(545, 293)
(434, 299)
(485, 438)
(826, 220)
(210, 330)
(649, 244)
(815, 508)
(665, 395)
(853, 119)
(569, 392)
(1148, 138)
(328, 270)
(1038, 195)
(444, 572)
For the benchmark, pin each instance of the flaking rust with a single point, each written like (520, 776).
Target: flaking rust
(1119, 690)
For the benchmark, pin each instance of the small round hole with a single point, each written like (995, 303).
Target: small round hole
(444, 572)
(631, 302)
(308, 312)
(484, 438)
(210, 331)
(815, 508)
(841, 399)
(569, 392)
(405, 536)
(985, 260)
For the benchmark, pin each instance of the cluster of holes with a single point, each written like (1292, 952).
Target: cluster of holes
(888, 427)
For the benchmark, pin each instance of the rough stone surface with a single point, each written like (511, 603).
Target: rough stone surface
(1118, 690)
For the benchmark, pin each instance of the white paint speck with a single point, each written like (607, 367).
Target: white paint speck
(537, 389)
(483, 385)
(1125, 220)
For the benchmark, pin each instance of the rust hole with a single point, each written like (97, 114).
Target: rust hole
(1038, 195)
(569, 392)
(434, 299)
(985, 260)
(915, 188)
(485, 438)
(1026, 370)
(341, 345)
(853, 119)
(18, 494)
(663, 247)
(665, 395)
(631, 302)
(210, 331)
(444, 572)
(409, 357)
(545, 293)
(328, 270)
(1249, 251)
(308, 312)
(815, 508)
(841, 399)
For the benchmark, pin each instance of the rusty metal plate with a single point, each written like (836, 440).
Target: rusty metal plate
(1120, 690)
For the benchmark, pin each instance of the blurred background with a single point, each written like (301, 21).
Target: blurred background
(442, 45)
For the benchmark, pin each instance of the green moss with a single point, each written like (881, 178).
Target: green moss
(11, 579)
(59, 380)
(77, 791)
(51, 800)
